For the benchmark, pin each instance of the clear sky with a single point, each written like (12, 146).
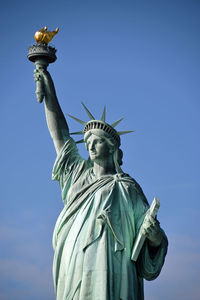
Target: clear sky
(141, 60)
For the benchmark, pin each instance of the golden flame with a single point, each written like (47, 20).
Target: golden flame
(44, 36)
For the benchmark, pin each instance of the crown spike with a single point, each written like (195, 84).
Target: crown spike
(117, 122)
(78, 120)
(125, 132)
(103, 117)
(78, 132)
(80, 141)
(88, 113)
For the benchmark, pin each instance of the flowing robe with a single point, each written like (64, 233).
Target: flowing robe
(95, 232)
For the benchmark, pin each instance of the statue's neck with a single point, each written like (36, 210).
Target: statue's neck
(104, 167)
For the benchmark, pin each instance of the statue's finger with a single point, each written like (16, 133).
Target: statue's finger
(152, 220)
(144, 232)
(149, 231)
(146, 225)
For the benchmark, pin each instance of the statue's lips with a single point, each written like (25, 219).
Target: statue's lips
(93, 152)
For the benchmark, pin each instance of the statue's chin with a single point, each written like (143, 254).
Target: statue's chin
(93, 156)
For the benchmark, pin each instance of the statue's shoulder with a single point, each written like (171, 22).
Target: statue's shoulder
(124, 177)
(131, 183)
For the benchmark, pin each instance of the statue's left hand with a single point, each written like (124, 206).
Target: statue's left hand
(152, 231)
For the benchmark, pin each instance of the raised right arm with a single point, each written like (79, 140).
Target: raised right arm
(56, 121)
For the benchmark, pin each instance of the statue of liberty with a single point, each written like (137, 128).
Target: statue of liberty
(103, 211)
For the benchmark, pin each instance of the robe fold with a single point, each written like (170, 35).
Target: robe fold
(95, 232)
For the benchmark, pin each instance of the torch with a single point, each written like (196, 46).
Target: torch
(42, 55)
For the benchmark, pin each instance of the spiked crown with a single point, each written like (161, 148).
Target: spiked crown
(97, 124)
(101, 125)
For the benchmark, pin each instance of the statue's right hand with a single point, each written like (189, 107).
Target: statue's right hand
(41, 75)
(44, 82)
(40, 91)
(37, 75)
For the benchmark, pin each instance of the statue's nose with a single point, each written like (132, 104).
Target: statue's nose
(92, 146)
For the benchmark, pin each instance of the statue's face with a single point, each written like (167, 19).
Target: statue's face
(98, 147)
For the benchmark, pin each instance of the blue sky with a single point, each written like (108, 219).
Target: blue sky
(141, 60)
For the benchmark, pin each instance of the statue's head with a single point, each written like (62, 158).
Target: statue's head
(104, 136)
(102, 146)
(102, 142)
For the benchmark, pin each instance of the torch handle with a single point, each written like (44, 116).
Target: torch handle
(41, 65)
(39, 91)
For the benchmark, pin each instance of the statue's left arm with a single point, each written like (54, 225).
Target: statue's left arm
(152, 255)
(151, 258)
